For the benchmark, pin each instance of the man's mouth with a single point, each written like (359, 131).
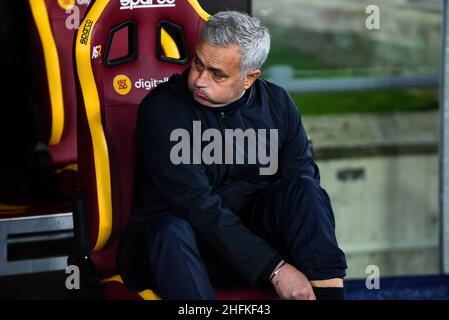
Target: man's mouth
(199, 94)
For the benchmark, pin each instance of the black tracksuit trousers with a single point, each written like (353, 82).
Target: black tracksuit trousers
(294, 216)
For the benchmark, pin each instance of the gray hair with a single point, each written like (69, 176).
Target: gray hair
(232, 27)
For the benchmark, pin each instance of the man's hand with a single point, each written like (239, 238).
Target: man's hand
(292, 284)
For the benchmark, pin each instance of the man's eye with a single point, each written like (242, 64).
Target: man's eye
(197, 62)
(218, 75)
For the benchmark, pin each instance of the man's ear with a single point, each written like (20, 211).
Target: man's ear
(251, 77)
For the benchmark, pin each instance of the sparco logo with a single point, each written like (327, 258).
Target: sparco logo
(136, 4)
(86, 31)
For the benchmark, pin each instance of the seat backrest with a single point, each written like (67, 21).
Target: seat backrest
(53, 27)
(123, 50)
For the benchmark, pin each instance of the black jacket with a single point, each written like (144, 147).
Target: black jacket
(209, 197)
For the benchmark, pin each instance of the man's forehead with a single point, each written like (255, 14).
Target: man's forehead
(218, 56)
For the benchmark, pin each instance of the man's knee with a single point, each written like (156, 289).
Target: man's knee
(297, 184)
(303, 197)
(299, 190)
(169, 227)
(307, 184)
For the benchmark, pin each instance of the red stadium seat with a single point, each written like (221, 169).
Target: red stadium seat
(123, 50)
(53, 77)
(35, 234)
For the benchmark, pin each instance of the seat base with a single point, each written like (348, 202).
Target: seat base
(33, 241)
(114, 289)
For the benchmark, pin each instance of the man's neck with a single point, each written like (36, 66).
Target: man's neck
(226, 104)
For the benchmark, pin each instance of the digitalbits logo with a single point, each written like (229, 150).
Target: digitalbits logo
(66, 4)
(122, 84)
(149, 84)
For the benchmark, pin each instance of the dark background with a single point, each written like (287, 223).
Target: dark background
(18, 133)
(16, 124)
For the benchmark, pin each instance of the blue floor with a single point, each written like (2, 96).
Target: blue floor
(403, 288)
(51, 285)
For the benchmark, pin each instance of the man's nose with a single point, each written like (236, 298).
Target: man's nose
(202, 80)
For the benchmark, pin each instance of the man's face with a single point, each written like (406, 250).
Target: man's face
(214, 78)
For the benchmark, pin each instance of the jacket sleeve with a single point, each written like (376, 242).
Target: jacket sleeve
(295, 156)
(187, 191)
